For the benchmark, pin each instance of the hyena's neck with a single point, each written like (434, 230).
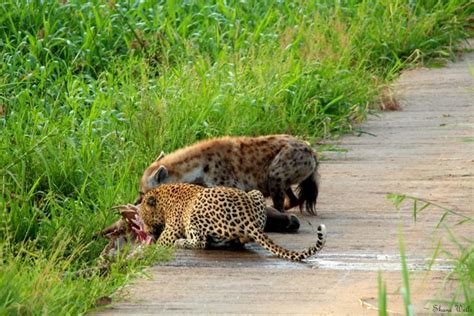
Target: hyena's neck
(190, 171)
(195, 176)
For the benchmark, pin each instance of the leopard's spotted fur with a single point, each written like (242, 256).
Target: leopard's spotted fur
(187, 215)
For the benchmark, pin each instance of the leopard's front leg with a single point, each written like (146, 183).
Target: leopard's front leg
(168, 237)
(194, 240)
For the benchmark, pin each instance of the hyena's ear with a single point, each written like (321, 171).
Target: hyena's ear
(160, 175)
(162, 154)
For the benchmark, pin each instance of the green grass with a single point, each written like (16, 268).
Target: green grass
(90, 92)
(462, 297)
(404, 290)
(41, 281)
(382, 296)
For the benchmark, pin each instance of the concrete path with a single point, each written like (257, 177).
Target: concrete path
(425, 150)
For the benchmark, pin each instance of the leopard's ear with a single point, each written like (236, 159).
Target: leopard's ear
(162, 154)
(159, 175)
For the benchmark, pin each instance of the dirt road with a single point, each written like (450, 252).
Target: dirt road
(425, 150)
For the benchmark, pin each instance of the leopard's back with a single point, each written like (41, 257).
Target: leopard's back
(232, 214)
(228, 213)
(213, 211)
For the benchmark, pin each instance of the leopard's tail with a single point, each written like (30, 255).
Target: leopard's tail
(265, 241)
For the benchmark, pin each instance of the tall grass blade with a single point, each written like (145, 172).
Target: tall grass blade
(405, 290)
(382, 297)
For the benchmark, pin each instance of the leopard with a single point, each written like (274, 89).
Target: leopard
(186, 215)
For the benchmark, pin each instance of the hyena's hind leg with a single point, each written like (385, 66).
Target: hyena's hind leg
(276, 183)
(279, 222)
(290, 200)
(291, 166)
(269, 219)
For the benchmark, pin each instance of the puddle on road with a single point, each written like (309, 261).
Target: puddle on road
(330, 261)
(374, 262)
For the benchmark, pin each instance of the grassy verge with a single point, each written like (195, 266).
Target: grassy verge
(91, 91)
(41, 281)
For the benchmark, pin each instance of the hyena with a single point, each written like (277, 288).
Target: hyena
(270, 164)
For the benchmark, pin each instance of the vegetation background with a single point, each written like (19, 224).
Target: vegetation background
(91, 91)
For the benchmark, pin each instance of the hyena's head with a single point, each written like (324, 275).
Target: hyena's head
(153, 176)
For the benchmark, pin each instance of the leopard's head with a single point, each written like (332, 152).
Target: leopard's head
(152, 214)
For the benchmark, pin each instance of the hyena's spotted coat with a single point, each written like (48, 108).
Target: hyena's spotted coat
(270, 164)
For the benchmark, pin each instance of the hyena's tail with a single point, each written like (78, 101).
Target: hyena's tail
(265, 241)
(308, 190)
